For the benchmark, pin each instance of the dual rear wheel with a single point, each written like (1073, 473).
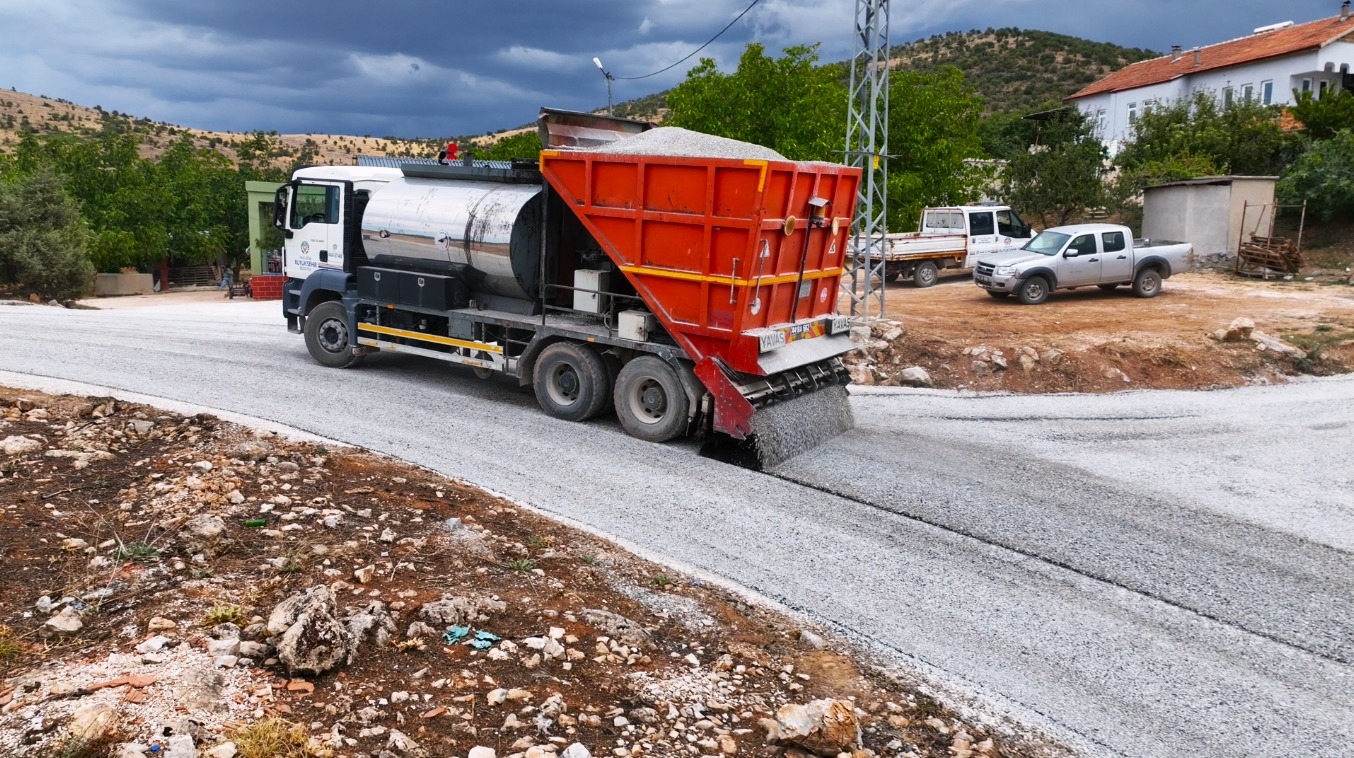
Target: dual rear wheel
(573, 382)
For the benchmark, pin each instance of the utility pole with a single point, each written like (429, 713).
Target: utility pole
(867, 147)
(609, 79)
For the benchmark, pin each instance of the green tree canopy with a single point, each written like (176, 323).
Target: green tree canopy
(1062, 175)
(42, 239)
(1243, 138)
(521, 146)
(788, 104)
(1323, 177)
(1324, 117)
(933, 129)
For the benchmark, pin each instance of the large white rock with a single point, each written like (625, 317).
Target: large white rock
(64, 623)
(915, 376)
(15, 445)
(822, 727)
(313, 640)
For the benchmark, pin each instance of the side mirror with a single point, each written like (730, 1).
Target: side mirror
(280, 201)
(1070, 252)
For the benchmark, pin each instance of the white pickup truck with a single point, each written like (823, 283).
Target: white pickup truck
(1067, 257)
(952, 238)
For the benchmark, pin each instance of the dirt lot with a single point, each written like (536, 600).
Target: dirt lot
(145, 558)
(1089, 340)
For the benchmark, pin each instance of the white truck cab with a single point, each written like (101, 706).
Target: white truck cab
(952, 238)
(317, 205)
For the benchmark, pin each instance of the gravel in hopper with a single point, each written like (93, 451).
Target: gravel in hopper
(683, 143)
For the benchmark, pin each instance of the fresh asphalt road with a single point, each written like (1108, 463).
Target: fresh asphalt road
(1144, 574)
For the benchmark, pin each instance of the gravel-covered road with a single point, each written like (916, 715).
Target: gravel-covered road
(1145, 574)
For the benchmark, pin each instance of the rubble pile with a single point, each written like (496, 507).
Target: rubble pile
(186, 587)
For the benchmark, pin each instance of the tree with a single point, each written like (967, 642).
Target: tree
(1323, 177)
(1325, 116)
(521, 146)
(1242, 138)
(1063, 174)
(787, 104)
(933, 130)
(42, 240)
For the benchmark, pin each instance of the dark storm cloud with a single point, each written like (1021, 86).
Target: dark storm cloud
(425, 68)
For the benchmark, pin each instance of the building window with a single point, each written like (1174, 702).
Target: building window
(1227, 97)
(1267, 93)
(1100, 122)
(1306, 85)
(1132, 113)
(1247, 92)
(1321, 88)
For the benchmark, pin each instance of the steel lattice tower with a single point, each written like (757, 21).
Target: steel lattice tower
(867, 142)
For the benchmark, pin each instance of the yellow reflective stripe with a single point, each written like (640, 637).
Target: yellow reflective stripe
(728, 280)
(468, 345)
(761, 180)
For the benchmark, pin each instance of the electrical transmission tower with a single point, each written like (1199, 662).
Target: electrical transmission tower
(867, 146)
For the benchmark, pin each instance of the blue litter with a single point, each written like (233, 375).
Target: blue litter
(483, 640)
(455, 634)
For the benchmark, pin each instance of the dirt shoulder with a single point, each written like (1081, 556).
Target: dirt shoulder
(1086, 340)
(173, 583)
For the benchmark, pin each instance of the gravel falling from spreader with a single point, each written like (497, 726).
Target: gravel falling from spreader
(784, 430)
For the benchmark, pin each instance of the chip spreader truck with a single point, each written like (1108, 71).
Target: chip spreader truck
(688, 282)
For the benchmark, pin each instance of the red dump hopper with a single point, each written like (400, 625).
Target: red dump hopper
(739, 259)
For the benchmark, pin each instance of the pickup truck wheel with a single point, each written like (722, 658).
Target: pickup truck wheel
(998, 295)
(650, 401)
(891, 274)
(571, 382)
(1148, 283)
(1033, 291)
(327, 336)
(925, 274)
(1108, 287)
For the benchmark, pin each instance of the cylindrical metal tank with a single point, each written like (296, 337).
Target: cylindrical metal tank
(486, 232)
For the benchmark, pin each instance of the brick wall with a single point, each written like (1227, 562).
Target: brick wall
(267, 286)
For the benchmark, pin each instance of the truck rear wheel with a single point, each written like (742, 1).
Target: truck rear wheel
(1148, 283)
(650, 401)
(1033, 291)
(571, 382)
(327, 336)
(925, 274)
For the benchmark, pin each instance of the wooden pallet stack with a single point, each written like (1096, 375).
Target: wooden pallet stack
(1269, 255)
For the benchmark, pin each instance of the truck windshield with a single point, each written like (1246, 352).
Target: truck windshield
(1047, 243)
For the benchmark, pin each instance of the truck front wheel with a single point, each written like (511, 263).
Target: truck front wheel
(1033, 291)
(925, 274)
(650, 401)
(571, 382)
(327, 336)
(1148, 283)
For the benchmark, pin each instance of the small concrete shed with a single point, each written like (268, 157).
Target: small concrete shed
(1210, 212)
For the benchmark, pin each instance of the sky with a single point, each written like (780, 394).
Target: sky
(433, 68)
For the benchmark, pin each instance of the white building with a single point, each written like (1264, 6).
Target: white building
(1271, 66)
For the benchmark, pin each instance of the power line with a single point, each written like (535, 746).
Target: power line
(693, 52)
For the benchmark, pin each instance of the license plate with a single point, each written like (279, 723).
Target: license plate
(981, 279)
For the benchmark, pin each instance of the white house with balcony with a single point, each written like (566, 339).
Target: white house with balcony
(1271, 66)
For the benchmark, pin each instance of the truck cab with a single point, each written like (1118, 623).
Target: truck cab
(986, 228)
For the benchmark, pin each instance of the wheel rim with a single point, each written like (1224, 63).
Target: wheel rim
(564, 386)
(1149, 284)
(333, 335)
(1034, 290)
(648, 403)
(928, 275)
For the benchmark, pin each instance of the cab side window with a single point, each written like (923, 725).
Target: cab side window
(314, 204)
(1083, 245)
(1008, 225)
(980, 224)
(1113, 241)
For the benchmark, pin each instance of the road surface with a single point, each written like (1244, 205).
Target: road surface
(1143, 574)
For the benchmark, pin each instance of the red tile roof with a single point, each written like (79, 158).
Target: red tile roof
(1256, 47)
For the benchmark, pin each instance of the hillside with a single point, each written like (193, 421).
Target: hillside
(1018, 70)
(46, 115)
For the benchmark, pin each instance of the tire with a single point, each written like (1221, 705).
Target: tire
(650, 401)
(1033, 291)
(571, 382)
(997, 295)
(1108, 287)
(1147, 283)
(891, 274)
(925, 274)
(327, 336)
